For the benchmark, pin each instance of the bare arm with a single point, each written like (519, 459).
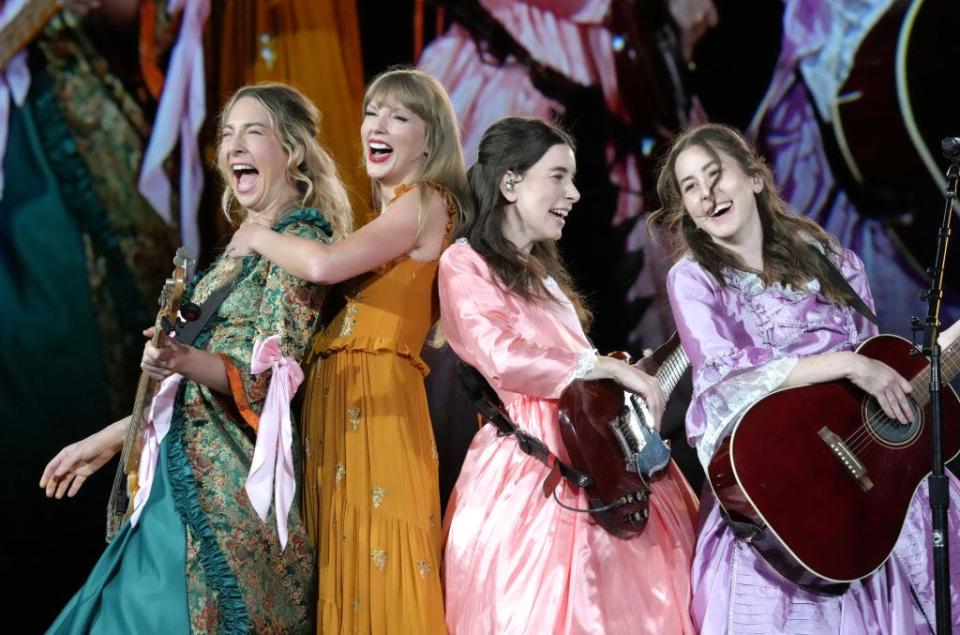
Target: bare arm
(389, 236)
(195, 364)
(68, 470)
(874, 377)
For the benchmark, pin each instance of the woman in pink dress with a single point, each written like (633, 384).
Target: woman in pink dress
(515, 561)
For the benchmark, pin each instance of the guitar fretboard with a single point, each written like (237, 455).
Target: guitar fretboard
(949, 367)
(672, 369)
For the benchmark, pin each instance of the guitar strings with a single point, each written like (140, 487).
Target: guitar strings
(860, 441)
(922, 378)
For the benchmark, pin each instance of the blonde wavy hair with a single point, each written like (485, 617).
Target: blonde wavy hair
(423, 95)
(309, 167)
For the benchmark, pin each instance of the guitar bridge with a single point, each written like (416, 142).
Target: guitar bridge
(850, 461)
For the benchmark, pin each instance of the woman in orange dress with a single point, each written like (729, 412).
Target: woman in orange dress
(371, 485)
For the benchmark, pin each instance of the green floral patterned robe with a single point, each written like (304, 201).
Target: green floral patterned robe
(236, 577)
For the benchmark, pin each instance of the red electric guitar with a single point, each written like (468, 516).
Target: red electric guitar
(818, 479)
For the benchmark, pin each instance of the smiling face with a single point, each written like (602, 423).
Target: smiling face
(252, 159)
(541, 200)
(394, 143)
(720, 197)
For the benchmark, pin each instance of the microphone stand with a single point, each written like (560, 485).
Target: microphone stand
(938, 484)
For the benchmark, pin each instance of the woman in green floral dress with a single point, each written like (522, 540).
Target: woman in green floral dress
(207, 549)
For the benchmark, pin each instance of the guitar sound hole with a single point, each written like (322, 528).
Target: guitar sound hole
(889, 430)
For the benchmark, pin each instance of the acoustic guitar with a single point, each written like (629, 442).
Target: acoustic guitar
(819, 480)
(125, 483)
(609, 435)
(25, 26)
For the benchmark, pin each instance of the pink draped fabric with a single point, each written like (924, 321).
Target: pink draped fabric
(179, 117)
(14, 81)
(569, 37)
(516, 562)
(271, 475)
(271, 471)
(158, 424)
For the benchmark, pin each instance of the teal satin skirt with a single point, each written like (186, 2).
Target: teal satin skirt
(139, 584)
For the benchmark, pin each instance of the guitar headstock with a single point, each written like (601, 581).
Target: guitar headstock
(173, 289)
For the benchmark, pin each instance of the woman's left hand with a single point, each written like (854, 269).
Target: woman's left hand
(949, 335)
(164, 360)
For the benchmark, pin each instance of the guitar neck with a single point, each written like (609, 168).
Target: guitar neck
(25, 26)
(145, 389)
(672, 369)
(949, 367)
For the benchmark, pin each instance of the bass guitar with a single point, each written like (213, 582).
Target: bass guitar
(609, 435)
(125, 484)
(818, 479)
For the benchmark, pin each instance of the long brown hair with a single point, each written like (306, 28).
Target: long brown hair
(787, 236)
(514, 144)
(309, 167)
(425, 96)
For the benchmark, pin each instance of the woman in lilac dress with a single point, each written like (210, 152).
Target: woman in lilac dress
(516, 562)
(756, 312)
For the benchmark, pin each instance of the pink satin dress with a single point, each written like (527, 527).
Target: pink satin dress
(515, 562)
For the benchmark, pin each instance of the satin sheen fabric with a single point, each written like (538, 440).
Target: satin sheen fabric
(742, 340)
(516, 562)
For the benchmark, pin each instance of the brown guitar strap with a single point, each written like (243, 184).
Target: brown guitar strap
(853, 298)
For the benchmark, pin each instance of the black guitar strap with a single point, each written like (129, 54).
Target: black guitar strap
(188, 333)
(853, 298)
(488, 404)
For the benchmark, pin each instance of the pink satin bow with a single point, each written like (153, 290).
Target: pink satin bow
(271, 471)
(158, 424)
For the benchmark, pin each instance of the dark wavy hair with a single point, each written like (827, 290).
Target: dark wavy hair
(787, 236)
(514, 144)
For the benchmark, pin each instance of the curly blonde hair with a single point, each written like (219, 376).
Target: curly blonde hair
(297, 124)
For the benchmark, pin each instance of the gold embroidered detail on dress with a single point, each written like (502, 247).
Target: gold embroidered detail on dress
(353, 416)
(356, 604)
(340, 472)
(433, 451)
(433, 521)
(377, 494)
(348, 320)
(424, 567)
(379, 558)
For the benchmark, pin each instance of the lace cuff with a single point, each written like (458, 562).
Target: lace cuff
(726, 401)
(586, 361)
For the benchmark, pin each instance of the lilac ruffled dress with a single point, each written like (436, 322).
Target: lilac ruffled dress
(743, 340)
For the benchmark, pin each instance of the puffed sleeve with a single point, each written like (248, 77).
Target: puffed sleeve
(730, 372)
(480, 320)
(288, 307)
(852, 269)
